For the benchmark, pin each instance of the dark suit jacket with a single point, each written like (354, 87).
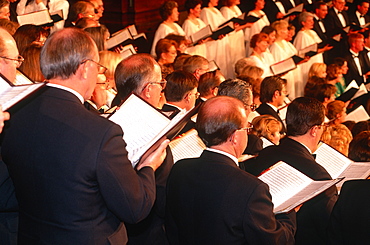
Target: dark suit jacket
(353, 72)
(211, 201)
(174, 111)
(349, 221)
(313, 217)
(318, 30)
(72, 178)
(265, 109)
(333, 24)
(353, 19)
(271, 10)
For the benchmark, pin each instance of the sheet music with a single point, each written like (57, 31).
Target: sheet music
(302, 52)
(187, 146)
(333, 161)
(137, 129)
(132, 29)
(283, 66)
(127, 51)
(13, 95)
(357, 170)
(35, 18)
(298, 8)
(201, 34)
(362, 90)
(21, 79)
(358, 115)
(283, 188)
(118, 38)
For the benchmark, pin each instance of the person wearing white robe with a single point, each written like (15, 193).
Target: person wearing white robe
(263, 59)
(305, 38)
(236, 37)
(51, 5)
(169, 25)
(194, 24)
(282, 50)
(258, 25)
(218, 50)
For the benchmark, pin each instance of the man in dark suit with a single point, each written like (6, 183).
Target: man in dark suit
(141, 74)
(210, 200)
(304, 119)
(360, 18)
(321, 11)
(272, 95)
(274, 9)
(72, 178)
(349, 221)
(358, 62)
(8, 201)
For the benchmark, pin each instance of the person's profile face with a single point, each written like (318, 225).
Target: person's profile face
(322, 11)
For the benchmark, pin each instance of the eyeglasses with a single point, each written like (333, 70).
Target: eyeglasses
(247, 129)
(106, 83)
(18, 61)
(252, 106)
(162, 83)
(101, 69)
(197, 94)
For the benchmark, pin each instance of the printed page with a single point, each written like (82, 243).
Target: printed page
(118, 38)
(132, 29)
(283, 66)
(187, 146)
(4, 85)
(298, 8)
(15, 94)
(127, 51)
(140, 123)
(284, 182)
(362, 90)
(201, 34)
(333, 161)
(21, 79)
(35, 18)
(359, 114)
(357, 170)
(307, 193)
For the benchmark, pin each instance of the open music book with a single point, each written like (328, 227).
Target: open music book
(118, 38)
(42, 17)
(189, 145)
(127, 51)
(294, 11)
(242, 19)
(22, 79)
(200, 35)
(338, 165)
(144, 126)
(128, 36)
(283, 66)
(11, 94)
(358, 115)
(308, 51)
(289, 187)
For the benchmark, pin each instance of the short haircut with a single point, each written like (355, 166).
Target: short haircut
(303, 16)
(304, 113)
(266, 125)
(191, 4)
(194, 62)
(163, 46)
(166, 9)
(177, 38)
(218, 118)
(322, 92)
(312, 84)
(79, 7)
(352, 37)
(256, 38)
(86, 22)
(359, 148)
(268, 87)
(209, 81)
(334, 108)
(254, 72)
(238, 89)
(317, 5)
(268, 30)
(359, 3)
(332, 72)
(76, 45)
(242, 63)
(4, 3)
(280, 24)
(339, 61)
(179, 61)
(179, 83)
(133, 73)
(316, 69)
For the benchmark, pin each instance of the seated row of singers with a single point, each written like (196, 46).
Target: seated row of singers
(93, 195)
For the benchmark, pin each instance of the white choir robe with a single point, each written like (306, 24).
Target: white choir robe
(162, 31)
(303, 40)
(283, 50)
(218, 50)
(236, 38)
(190, 28)
(255, 29)
(264, 62)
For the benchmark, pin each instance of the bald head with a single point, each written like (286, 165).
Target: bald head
(219, 118)
(8, 49)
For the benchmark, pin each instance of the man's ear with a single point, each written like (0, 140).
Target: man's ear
(276, 94)
(314, 130)
(215, 91)
(83, 70)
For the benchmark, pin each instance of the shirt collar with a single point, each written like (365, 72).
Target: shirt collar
(273, 107)
(225, 154)
(79, 96)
